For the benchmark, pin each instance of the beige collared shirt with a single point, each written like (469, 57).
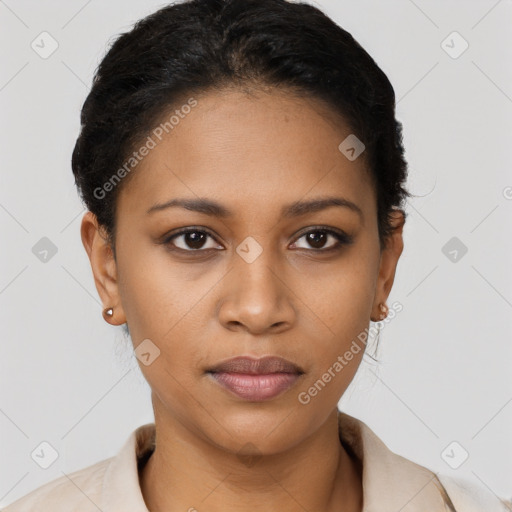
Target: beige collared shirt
(391, 483)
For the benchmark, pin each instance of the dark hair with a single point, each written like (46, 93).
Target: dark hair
(197, 46)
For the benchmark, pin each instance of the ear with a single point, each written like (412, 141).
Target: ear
(104, 267)
(390, 254)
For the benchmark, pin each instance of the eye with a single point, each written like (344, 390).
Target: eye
(190, 239)
(317, 238)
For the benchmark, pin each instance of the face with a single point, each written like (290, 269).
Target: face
(265, 278)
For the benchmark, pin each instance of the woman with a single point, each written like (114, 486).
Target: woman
(244, 176)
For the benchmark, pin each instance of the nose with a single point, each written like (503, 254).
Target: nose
(256, 298)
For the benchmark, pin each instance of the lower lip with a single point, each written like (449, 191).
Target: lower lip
(256, 387)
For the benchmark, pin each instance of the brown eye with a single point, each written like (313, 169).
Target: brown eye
(190, 240)
(317, 239)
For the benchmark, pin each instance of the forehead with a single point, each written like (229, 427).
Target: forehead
(250, 152)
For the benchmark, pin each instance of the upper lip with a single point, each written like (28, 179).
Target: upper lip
(256, 366)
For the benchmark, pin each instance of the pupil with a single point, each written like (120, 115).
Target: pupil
(194, 239)
(316, 239)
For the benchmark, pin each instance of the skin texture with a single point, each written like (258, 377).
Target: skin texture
(253, 153)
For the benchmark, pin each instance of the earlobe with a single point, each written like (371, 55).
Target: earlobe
(104, 268)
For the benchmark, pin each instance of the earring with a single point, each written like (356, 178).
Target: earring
(108, 313)
(383, 311)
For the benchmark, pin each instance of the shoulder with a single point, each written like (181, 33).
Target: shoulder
(110, 484)
(77, 491)
(393, 482)
(467, 496)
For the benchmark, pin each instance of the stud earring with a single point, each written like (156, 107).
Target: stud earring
(108, 313)
(383, 311)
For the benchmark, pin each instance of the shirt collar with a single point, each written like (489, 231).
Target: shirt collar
(121, 486)
(390, 482)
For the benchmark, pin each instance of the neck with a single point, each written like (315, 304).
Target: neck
(186, 473)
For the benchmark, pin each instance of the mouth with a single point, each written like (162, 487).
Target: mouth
(256, 379)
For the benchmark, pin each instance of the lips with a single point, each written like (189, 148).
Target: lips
(256, 379)
(251, 366)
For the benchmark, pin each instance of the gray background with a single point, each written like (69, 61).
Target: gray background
(67, 377)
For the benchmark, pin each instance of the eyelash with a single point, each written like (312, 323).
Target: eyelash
(341, 238)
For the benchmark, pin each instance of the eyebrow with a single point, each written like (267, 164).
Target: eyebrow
(295, 209)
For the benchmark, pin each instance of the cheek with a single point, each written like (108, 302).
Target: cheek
(341, 298)
(162, 305)
(337, 354)
(342, 304)
(165, 303)
(156, 293)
